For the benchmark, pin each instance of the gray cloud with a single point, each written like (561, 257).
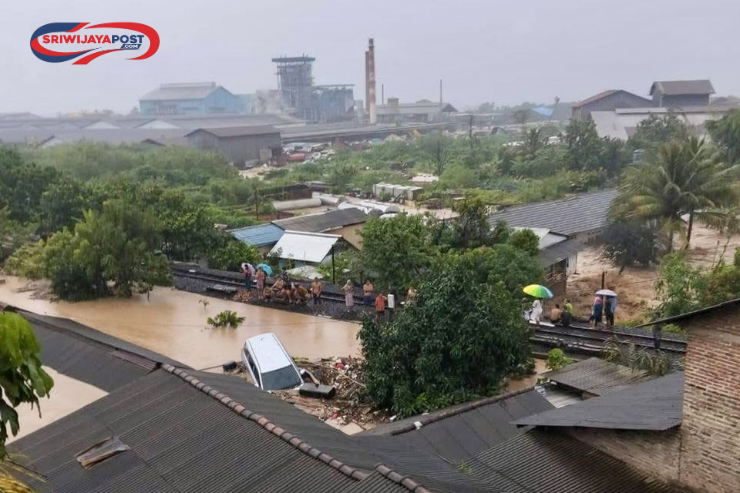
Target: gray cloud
(488, 50)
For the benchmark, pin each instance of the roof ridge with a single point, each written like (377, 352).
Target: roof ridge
(470, 406)
(293, 440)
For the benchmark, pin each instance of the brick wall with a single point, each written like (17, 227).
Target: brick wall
(710, 448)
(653, 452)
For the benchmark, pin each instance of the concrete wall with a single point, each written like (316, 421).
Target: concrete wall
(710, 452)
(351, 234)
(655, 453)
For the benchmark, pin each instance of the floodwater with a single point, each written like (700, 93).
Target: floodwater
(67, 396)
(173, 323)
(540, 367)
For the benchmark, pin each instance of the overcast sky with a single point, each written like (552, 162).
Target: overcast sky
(506, 51)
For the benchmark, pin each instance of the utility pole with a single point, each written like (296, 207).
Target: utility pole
(257, 203)
(333, 271)
(603, 279)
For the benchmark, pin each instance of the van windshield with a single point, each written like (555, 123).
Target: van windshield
(282, 378)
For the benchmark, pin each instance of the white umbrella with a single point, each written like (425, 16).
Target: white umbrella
(245, 265)
(606, 292)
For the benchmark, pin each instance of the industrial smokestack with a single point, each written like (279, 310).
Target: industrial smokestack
(440, 93)
(382, 93)
(370, 82)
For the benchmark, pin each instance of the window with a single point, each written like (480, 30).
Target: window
(283, 378)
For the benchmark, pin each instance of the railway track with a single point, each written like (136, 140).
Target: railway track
(578, 339)
(589, 340)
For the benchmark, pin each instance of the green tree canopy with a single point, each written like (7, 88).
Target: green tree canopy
(725, 133)
(22, 378)
(683, 179)
(397, 250)
(459, 338)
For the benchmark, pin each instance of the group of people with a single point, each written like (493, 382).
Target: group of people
(604, 306)
(558, 316)
(292, 293)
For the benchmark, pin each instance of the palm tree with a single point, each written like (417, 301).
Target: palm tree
(684, 179)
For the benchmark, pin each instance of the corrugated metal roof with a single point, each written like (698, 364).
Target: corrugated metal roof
(676, 87)
(259, 236)
(306, 247)
(85, 361)
(546, 462)
(174, 92)
(237, 131)
(181, 440)
(323, 221)
(656, 405)
(559, 251)
(596, 376)
(580, 213)
(461, 435)
(119, 135)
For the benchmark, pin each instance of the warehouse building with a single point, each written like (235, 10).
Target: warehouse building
(239, 145)
(189, 99)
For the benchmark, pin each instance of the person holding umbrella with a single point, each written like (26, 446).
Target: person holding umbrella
(609, 303)
(248, 271)
(539, 293)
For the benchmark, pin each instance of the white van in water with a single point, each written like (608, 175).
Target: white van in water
(269, 363)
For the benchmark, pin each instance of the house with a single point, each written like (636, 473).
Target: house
(239, 145)
(607, 101)
(345, 223)
(189, 99)
(298, 248)
(681, 93)
(420, 112)
(263, 237)
(581, 217)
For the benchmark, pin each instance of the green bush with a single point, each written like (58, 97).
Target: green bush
(556, 359)
(226, 318)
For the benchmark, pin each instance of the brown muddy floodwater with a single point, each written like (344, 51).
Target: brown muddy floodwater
(173, 323)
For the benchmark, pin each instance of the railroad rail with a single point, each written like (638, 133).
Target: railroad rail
(576, 338)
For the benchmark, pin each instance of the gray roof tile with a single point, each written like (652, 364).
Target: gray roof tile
(676, 87)
(596, 376)
(323, 221)
(656, 405)
(580, 213)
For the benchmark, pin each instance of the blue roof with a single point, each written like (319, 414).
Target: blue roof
(259, 236)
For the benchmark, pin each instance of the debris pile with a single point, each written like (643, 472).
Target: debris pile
(346, 375)
(243, 296)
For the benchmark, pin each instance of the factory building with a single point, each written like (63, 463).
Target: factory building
(189, 99)
(239, 145)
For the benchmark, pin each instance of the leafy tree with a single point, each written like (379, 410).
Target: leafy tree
(656, 131)
(397, 250)
(62, 205)
(532, 143)
(630, 243)
(231, 254)
(185, 227)
(683, 180)
(437, 352)
(12, 234)
(526, 240)
(585, 147)
(725, 133)
(112, 251)
(22, 378)
(678, 285)
(22, 185)
(437, 149)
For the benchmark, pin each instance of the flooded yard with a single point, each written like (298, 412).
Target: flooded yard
(173, 323)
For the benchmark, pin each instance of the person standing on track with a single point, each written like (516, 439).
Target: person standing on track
(316, 289)
(349, 294)
(261, 276)
(367, 292)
